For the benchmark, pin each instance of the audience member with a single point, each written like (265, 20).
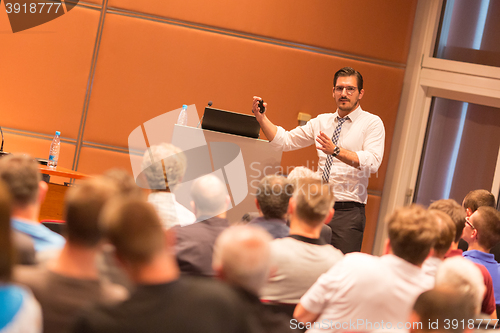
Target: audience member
(242, 259)
(446, 235)
(301, 173)
(20, 312)
(457, 214)
(441, 310)
(195, 242)
(370, 288)
(463, 277)
(302, 257)
(71, 282)
(481, 232)
(125, 183)
(472, 201)
(272, 198)
(164, 166)
(162, 302)
(24, 182)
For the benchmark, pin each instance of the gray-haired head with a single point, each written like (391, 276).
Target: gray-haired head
(164, 166)
(273, 194)
(463, 277)
(242, 257)
(209, 195)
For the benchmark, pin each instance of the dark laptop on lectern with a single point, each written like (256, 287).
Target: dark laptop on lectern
(230, 122)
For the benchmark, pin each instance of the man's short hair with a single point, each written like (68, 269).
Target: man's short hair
(313, 201)
(412, 233)
(463, 277)
(164, 166)
(453, 210)
(487, 224)
(125, 183)
(446, 232)
(346, 72)
(273, 194)
(243, 254)
(22, 177)
(441, 306)
(134, 229)
(6, 242)
(83, 204)
(209, 195)
(478, 198)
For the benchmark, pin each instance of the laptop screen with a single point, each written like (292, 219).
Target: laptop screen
(231, 123)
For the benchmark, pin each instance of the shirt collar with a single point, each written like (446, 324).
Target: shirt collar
(352, 116)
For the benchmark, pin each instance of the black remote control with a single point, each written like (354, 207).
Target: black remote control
(261, 106)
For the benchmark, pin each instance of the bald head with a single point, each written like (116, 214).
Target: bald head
(242, 257)
(210, 197)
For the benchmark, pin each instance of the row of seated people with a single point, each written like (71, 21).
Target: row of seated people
(134, 281)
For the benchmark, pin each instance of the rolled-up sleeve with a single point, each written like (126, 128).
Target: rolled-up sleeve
(371, 156)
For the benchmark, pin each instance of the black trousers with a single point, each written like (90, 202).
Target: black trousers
(348, 225)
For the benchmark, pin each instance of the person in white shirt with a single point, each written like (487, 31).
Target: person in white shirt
(164, 166)
(350, 145)
(366, 293)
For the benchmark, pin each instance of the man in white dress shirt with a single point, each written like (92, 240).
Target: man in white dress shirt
(367, 293)
(350, 145)
(164, 166)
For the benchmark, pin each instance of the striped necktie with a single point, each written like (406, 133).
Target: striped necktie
(335, 139)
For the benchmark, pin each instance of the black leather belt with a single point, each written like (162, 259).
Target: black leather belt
(347, 204)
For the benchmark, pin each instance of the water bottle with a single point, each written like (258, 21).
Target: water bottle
(55, 147)
(183, 116)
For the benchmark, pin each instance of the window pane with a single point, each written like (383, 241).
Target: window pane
(461, 150)
(470, 32)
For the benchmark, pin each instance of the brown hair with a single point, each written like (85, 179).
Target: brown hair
(83, 204)
(488, 226)
(412, 233)
(273, 194)
(134, 228)
(313, 201)
(446, 232)
(453, 210)
(21, 175)
(6, 244)
(478, 198)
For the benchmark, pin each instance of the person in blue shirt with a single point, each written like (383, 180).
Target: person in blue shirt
(24, 182)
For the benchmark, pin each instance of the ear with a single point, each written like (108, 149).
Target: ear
(291, 207)
(42, 191)
(468, 212)
(361, 93)
(170, 240)
(387, 246)
(329, 216)
(257, 205)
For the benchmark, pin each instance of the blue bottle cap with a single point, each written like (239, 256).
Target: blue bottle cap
(58, 133)
(184, 106)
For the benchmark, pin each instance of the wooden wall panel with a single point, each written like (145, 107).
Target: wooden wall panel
(378, 29)
(44, 73)
(38, 148)
(94, 161)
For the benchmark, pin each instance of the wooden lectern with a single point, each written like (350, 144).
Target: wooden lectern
(52, 207)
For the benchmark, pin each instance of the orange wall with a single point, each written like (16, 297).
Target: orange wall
(107, 66)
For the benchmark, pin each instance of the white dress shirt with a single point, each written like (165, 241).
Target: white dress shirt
(363, 134)
(170, 211)
(361, 291)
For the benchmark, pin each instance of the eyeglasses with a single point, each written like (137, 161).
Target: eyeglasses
(349, 90)
(470, 224)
